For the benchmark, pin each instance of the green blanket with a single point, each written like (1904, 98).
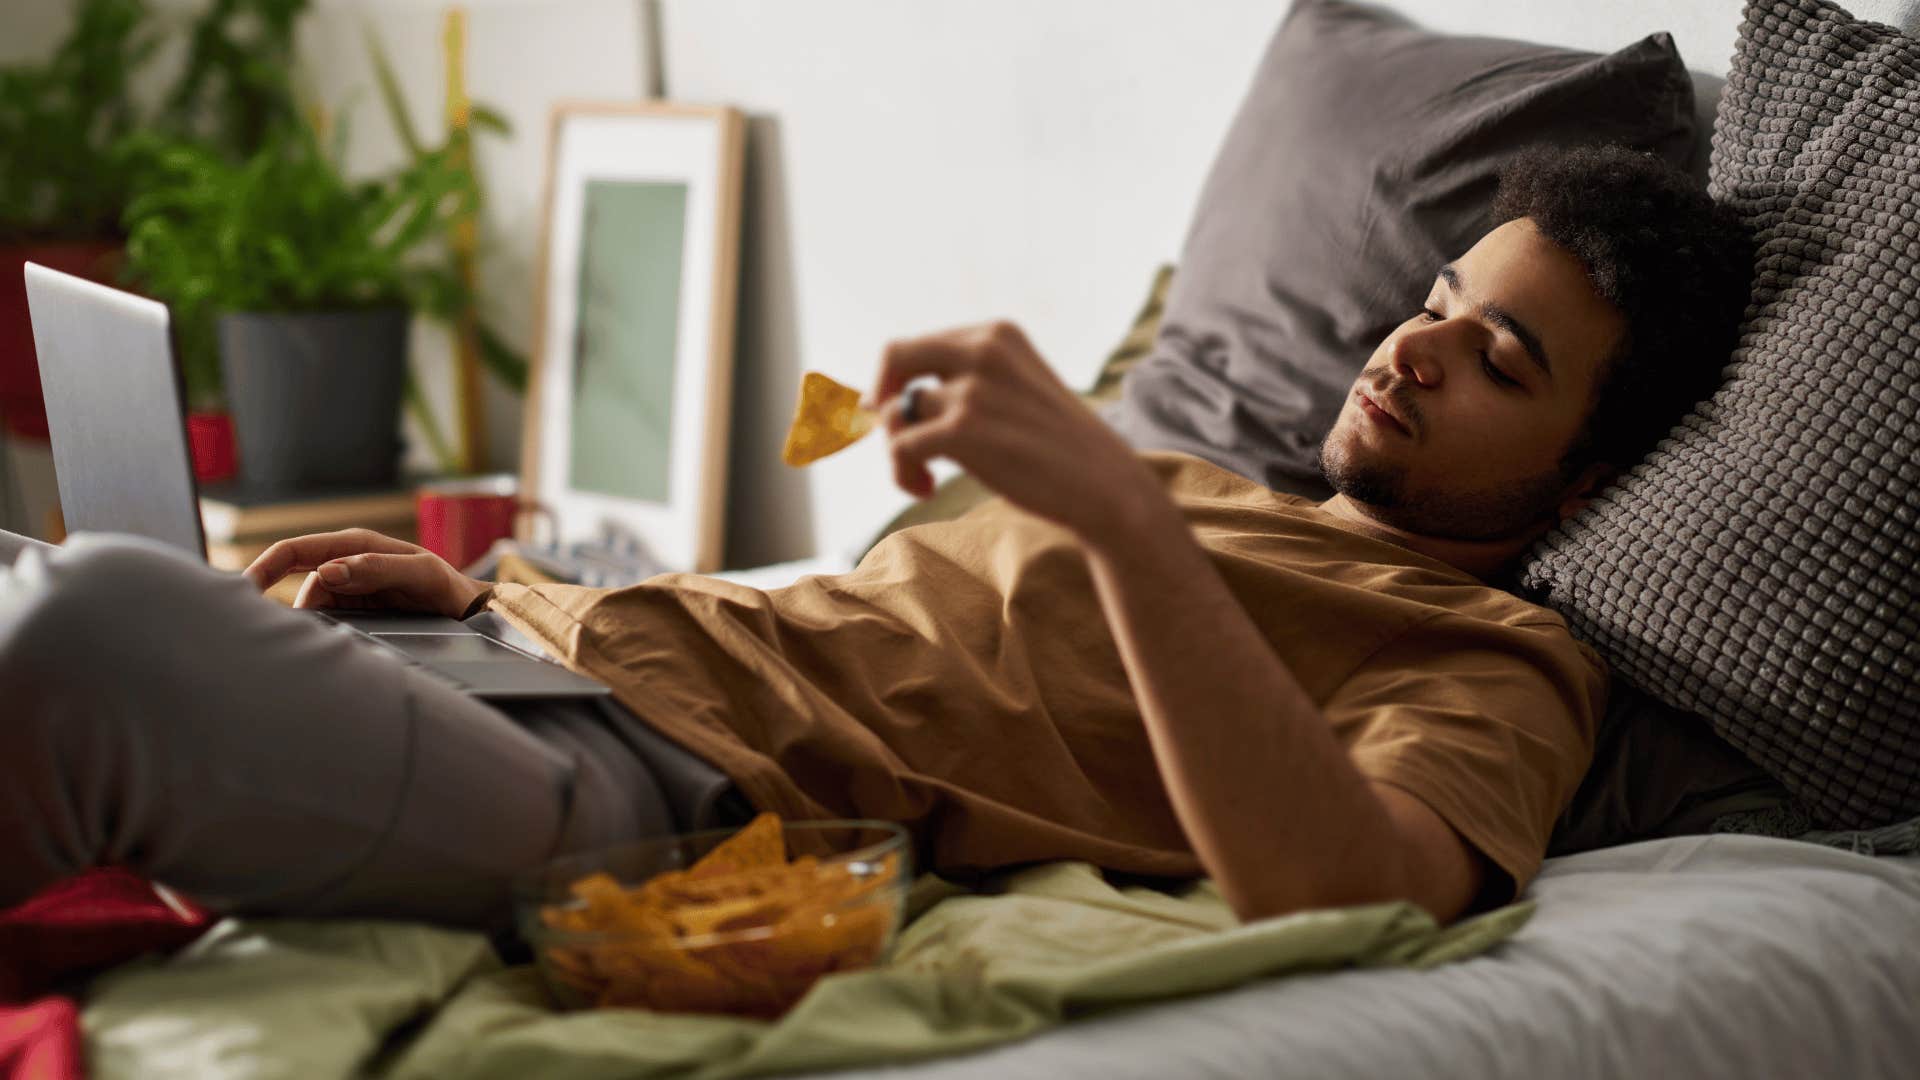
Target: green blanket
(402, 1000)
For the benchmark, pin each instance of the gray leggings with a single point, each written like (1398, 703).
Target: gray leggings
(160, 715)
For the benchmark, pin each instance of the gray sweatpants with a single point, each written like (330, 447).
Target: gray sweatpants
(163, 716)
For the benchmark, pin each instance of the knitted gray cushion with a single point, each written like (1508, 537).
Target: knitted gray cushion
(1758, 567)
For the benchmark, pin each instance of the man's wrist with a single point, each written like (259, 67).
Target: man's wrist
(479, 602)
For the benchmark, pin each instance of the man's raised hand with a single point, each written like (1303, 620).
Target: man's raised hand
(363, 569)
(1004, 416)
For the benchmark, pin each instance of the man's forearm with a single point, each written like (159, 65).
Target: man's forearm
(1271, 803)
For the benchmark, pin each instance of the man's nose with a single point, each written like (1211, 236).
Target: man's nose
(1419, 355)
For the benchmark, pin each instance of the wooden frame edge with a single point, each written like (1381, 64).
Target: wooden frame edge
(722, 357)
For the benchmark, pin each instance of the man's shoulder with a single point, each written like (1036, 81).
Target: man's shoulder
(1499, 623)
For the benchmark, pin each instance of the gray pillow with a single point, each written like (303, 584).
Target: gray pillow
(1362, 158)
(1758, 568)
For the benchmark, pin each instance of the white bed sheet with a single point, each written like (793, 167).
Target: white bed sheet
(1694, 956)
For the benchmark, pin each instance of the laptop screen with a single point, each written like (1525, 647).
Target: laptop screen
(114, 413)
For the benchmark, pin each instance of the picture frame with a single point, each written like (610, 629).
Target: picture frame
(629, 391)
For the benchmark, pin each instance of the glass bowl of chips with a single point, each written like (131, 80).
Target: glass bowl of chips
(741, 922)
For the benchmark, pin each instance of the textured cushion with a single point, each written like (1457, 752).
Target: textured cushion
(1362, 158)
(1758, 567)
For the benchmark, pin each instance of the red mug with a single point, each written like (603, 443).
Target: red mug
(459, 520)
(210, 444)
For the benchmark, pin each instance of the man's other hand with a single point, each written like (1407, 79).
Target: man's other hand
(362, 569)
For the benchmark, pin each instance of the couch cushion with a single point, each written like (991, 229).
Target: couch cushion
(1362, 158)
(1758, 567)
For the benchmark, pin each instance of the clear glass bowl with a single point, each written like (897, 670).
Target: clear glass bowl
(749, 944)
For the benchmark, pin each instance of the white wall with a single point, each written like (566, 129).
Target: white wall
(29, 29)
(913, 165)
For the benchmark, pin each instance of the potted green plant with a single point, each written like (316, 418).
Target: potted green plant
(60, 200)
(231, 93)
(233, 90)
(302, 283)
(64, 183)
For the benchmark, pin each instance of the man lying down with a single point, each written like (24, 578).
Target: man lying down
(1142, 661)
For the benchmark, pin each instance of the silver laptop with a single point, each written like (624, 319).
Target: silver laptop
(113, 394)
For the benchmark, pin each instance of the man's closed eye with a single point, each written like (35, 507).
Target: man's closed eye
(1486, 362)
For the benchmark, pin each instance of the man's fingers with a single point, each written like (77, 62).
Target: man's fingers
(358, 575)
(939, 355)
(912, 448)
(946, 355)
(930, 402)
(307, 552)
(313, 593)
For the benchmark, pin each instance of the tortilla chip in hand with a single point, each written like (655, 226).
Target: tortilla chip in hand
(828, 418)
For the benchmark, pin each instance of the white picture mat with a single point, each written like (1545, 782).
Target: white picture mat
(642, 148)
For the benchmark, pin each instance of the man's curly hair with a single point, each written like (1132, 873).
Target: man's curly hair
(1676, 264)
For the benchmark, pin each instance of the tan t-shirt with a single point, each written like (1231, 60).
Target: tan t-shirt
(962, 679)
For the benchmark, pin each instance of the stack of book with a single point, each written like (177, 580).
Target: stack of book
(240, 524)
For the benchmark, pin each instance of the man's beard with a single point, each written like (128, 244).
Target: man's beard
(1477, 514)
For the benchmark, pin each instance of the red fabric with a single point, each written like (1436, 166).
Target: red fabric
(82, 924)
(41, 1041)
(85, 923)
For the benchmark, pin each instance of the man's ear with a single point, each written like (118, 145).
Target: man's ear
(1591, 481)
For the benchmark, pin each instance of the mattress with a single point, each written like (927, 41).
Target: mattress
(1692, 956)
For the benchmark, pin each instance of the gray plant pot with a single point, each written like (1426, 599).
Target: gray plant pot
(316, 396)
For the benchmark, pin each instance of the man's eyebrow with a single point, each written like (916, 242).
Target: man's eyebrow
(1504, 319)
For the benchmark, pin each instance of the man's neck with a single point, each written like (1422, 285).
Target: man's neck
(1484, 559)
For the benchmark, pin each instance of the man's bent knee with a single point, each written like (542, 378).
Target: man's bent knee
(86, 611)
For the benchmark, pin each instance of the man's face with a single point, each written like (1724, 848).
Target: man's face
(1489, 385)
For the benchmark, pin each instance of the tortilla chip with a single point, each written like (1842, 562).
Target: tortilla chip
(828, 418)
(761, 843)
(681, 887)
(701, 920)
(741, 931)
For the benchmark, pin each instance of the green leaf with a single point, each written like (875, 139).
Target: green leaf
(482, 116)
(507, 364)
(422, 412)
(60, 121)
(285, 259)
(390, 95)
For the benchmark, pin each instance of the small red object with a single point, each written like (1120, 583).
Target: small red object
(21, 406)
(459, 520)
(41, 1041)
(210, 438)
(89, 921)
